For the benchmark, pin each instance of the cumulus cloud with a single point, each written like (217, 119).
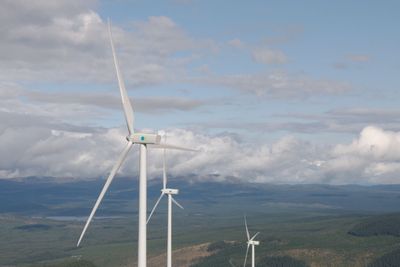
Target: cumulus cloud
(68, 40)
(113, 101)
(49, 41)
(91, 154)
(260, 54)
(45, 152)
(352, 60)
(237, 43)
(51, 149)
(358, 58)
(344, 121)
(269, 56)
(279, 84)
(374, 157)
(373, 143)
(43, 144)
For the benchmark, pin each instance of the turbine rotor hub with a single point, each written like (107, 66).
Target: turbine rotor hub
(253, 242)
(144, 138)
(169, 191)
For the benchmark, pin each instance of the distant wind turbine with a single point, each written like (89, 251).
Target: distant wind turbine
(169, 192)
(231, 263)
(143, 139)
(250, 242)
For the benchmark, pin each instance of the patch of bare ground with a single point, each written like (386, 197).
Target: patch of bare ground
(183, 257)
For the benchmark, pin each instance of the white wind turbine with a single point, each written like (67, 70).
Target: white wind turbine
(169, 192)
(143, 140)
(250, 242)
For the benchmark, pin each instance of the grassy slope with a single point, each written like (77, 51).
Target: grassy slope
(300, 221)
(305, 236)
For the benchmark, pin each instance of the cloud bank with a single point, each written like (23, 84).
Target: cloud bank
(372, 158)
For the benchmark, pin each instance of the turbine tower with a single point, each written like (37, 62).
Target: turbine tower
(169, 192)
(143, 140)
(250, 242)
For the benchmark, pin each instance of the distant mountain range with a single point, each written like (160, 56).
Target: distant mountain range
(46, 196)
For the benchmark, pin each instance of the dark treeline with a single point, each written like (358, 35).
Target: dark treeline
(284, 261)
(72, 263)
(225, 252)
(378, 225)
(391, 259)
(33, 227)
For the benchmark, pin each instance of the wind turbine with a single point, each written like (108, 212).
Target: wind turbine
(169, 192)
(143, 140)
(231, 263)
(250, 242)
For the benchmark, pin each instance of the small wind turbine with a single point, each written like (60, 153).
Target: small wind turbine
(250, 242)
(169, 192)
(143, 139)
(231, 263)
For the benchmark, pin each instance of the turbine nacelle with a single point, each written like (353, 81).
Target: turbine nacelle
(144, 138)
(253, 242)
(169, 191)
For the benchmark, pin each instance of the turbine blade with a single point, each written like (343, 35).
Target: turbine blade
(254, 236)
(154, 208)
(247, 229)
(176, 203)
(106, 185)
(168, 146)
(129, 117)
(245, 258)
(164, 168)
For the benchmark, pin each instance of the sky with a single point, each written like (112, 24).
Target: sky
(267, 91)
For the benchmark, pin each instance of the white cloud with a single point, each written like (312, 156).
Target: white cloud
(344, 121)
(266, 55)
(55, 150)
(55, 153)
(373, 143)
(279, 84)
(49, 41)
(68, 41)
(237, 43)
(352, 60)
(91, 154)
(113, 101)
(374, 157)
(358, 58)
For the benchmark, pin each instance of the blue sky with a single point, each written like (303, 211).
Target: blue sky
(303, 91)
(343, 41)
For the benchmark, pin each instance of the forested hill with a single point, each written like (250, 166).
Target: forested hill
(388, 224)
